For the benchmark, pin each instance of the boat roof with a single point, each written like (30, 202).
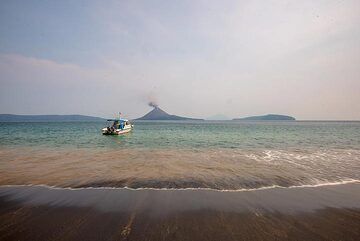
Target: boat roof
(118, 119)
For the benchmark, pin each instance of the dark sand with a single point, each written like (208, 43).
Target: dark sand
(308, 213)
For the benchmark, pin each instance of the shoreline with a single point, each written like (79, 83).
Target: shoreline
(295, 199)
(85, 187)
(221, 169)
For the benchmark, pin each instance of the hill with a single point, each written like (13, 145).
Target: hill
(269, 117)
(159, 114)
(46, 118)
(218, 117)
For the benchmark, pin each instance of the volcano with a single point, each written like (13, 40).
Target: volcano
(159, 114)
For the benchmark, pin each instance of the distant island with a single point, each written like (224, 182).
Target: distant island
(269, 117)
(156, 114)
(159, 114)
(218, 117)
(47, 118)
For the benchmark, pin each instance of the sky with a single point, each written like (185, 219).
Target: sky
(193, 58)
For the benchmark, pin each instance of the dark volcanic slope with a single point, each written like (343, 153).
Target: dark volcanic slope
(159, 114)
(46, 118)
(268, 117)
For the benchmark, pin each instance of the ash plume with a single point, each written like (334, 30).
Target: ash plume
(153, 104)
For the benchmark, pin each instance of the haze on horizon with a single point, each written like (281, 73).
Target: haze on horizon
(192, 58)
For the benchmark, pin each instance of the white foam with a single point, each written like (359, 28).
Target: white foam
(342, 182)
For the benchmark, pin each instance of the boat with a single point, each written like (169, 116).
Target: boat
(117, 127)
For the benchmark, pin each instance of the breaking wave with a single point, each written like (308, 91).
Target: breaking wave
(174, 169)
(343, 182)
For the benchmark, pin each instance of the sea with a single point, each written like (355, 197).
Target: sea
(213, 155)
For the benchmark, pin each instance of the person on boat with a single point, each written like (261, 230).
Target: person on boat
(113, 127)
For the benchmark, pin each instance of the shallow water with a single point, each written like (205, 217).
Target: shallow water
(214, 155)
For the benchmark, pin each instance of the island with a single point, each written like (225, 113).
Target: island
(269, 117)
(159, 114)
(47, 118)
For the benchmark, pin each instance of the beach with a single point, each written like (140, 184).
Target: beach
(180, 120)
(180, 181)
(330, 212)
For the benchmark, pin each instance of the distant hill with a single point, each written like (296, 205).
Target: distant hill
(159, 114)
(270, 117)
(46, 118)
(218, 117)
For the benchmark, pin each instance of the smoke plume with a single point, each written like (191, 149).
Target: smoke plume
(153, 104)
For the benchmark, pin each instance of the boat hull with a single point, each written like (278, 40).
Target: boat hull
(106, 131)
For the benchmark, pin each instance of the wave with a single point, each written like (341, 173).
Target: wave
(342, 182)
(218, 169)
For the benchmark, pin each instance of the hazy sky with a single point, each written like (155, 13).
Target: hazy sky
(195, 58)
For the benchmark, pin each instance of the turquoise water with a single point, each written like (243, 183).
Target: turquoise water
(192, 154)
(187, 135)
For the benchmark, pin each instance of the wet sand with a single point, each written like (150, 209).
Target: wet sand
(307, 213)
